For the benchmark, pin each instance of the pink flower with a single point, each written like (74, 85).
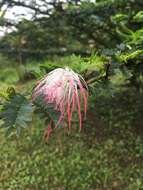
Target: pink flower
(66, 91)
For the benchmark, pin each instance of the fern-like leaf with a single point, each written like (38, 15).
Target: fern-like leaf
(16, 113)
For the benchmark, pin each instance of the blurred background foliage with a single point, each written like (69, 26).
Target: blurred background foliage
(103, 41)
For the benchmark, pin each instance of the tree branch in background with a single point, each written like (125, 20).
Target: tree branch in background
(107, 71)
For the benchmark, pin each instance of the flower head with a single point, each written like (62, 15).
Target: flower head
(65, 90)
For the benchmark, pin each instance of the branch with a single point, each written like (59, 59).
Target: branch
(34, 8)
(107, 71)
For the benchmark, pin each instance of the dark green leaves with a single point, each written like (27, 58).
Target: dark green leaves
(16, 113)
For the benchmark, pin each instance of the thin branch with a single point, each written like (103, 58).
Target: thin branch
(34, 8)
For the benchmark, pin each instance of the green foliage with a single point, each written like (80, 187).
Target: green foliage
(77, 63)
(130, 55)
(16, 113)
(76, 28)
(103, 156)
(138, 17)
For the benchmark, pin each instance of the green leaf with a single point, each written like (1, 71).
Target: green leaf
(130, 55)
(16, 113)
(138, 17)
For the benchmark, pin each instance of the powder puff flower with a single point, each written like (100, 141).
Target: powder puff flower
(66, 91)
